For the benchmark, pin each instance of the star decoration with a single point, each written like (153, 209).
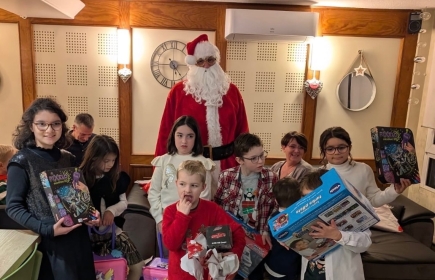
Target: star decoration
(360, 70)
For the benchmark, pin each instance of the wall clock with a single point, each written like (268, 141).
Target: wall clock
(167, 63)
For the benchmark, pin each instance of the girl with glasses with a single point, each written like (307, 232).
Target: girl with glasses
(40, 139)
(294, 145)
(335, 147)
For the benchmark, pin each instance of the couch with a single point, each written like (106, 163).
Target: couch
(405, 255)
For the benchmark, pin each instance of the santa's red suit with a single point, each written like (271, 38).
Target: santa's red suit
(208, 96)
(231, 122)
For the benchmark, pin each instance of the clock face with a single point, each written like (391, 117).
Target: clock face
(167, 63)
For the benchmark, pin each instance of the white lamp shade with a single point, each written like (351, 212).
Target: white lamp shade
(123, 46)
(320, 54)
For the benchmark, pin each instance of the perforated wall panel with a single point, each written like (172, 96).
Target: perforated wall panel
(297, 52)
(238, 78)
(236, 50)
(292, 113)
(263, 112)
(270, 77)
(267, 51)
(266, 138)
(77, 105)
(43, 41)
(112, 132)
(45, 74)
(78, 66)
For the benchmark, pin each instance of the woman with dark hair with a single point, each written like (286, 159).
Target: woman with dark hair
(294, 145)
(184, 143)
(39, 138)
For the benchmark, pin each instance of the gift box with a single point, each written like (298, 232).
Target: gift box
(395, 157)
(333, 200)
(219, 237)
(254, 251)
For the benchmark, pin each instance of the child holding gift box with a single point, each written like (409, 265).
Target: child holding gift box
(282, 263)
(344, 262)
(191, 215)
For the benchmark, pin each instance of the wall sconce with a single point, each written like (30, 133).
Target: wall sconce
(419, 59)
(319, 54)
(415, 86)
(124, 53)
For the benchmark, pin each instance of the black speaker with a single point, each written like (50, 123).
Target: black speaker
(414, 24)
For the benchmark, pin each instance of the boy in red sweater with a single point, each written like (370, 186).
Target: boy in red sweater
(191, 215)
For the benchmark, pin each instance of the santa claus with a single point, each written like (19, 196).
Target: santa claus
(208, 95)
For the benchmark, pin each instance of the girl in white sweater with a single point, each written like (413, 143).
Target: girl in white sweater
(184, 143)
(335, 147)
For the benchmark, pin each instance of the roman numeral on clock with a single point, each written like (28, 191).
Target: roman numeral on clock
(164, 81)
(157, 73)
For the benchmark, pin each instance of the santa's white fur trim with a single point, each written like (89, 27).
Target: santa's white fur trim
(190, 60)
(205, 49)
(215, 178)
(213, 126)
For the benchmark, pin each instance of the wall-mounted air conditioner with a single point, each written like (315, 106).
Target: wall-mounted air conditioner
(268, 25)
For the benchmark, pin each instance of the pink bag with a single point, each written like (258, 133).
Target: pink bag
(158, 268)
(109, 267)
(115, 269)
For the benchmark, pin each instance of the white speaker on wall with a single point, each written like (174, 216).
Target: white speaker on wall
(62, 9)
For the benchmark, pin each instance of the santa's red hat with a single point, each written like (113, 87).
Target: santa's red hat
(200, 48)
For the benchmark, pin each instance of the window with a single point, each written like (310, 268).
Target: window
(427, 173)
(430, 178)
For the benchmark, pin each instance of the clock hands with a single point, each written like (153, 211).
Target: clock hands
(174, 65)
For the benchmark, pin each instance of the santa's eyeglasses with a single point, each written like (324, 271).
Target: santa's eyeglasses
(210, 60)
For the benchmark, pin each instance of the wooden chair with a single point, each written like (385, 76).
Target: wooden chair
(29, 269)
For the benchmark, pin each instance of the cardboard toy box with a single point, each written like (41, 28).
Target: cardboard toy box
(219, 237)
(333, 200)
(395, 157)
(254, 251)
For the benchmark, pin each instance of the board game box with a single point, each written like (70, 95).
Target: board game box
(333, 200)
(68, 195)
(254, 251)
(395, 157)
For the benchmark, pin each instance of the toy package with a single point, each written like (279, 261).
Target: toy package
(395, 157)
(333, 200)
(219, 237)
(68, 195)
(254, 251)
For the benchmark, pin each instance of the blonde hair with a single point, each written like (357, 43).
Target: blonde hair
(6, 151)
(193, 167)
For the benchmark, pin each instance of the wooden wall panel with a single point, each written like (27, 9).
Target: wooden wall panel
(363, 22)
(27, 67)
(191, 16)
(404, 80)
(141, 171)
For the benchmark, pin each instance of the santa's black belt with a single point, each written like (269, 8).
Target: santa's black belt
(218, 153)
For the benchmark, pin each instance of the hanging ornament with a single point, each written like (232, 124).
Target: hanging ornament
(313, 87)
(360, 69)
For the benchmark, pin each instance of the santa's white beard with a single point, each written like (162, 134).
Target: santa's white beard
(207, 84)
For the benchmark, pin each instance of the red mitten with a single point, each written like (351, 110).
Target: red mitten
(146, 187)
